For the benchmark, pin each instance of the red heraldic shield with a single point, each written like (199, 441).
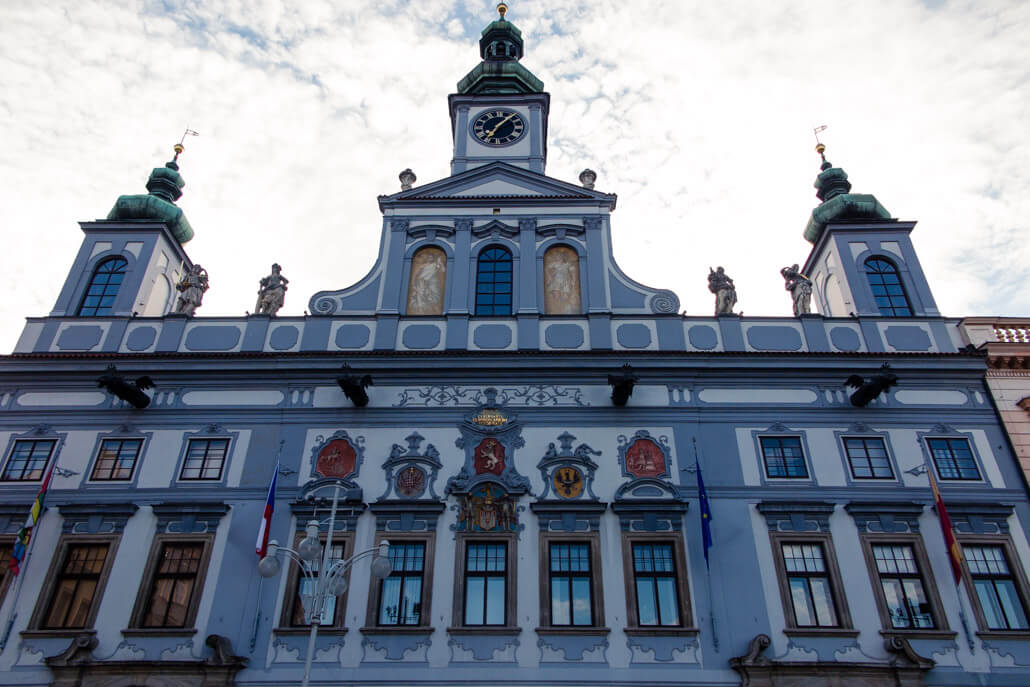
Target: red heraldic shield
(645, 459)
(337, 459)
(489, 457)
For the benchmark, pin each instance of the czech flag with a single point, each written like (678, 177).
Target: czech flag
(266, 519)
(954, 548)
(21, 543)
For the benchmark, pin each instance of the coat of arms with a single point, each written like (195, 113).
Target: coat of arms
(483, 511)
(489, 457)
(336, 459)
(567, 482)
(645, 459)
(411, 482)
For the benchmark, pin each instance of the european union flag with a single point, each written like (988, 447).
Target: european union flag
(706, 513)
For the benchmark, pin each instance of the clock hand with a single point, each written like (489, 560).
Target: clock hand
(499, 125)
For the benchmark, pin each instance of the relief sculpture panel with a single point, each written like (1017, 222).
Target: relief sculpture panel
(426, 286)
(561, 281)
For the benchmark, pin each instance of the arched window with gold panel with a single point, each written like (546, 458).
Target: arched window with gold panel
(561, 281)
(427, 281)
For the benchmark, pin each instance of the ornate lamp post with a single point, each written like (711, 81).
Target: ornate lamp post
(329, 576)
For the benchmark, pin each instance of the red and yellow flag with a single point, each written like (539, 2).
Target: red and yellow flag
(954, 548)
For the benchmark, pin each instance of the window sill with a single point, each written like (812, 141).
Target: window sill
(660, 631)
(397, 630)
(159, 632)
(322, 630)
(69, 632)
(995, 634)
(820, 632)
(920, 634)
(573, 630)
(485, 630)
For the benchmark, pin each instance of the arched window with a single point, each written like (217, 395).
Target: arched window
(103, 287)
(886, 284)
(493, 281)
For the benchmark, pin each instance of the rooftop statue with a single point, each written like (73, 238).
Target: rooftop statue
(191, 290)
(721, 285)
(800, 288)
(271, 292)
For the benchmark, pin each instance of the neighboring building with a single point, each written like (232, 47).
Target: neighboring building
(1006, 341)
(541, 533)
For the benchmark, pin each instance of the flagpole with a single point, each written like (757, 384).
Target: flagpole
(261, 580)
(703, 498)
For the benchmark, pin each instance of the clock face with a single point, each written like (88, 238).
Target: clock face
(498, 127)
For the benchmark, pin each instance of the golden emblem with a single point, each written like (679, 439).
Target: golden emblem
(568, 482)
(489, 417)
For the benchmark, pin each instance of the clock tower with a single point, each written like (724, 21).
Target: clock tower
(500, 110)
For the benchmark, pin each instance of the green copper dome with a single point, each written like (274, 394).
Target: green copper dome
(165, 185)
(833, 188)
(500, 72)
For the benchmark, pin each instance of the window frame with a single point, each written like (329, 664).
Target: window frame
(475, 289)
(893, 477)
(593, 541)
(901, 284)
(15, 441)
(761, 437)
(145, 592)
(972, 452)
(1019, 580)
(375, 593)
(45, 598)
(291, 598)
(228, 438)
(94, 464)
(124, 272)
(511, 625)
(844, 625)
(633, 626)
(941, 630)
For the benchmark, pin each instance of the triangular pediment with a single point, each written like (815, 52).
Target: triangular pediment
(496, 181)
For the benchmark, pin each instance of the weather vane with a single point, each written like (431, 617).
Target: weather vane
(818, 130)
(179, 147)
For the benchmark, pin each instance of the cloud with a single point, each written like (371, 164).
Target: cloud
(699, 115)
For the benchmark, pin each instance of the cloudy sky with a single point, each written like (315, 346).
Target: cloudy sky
(699, 115)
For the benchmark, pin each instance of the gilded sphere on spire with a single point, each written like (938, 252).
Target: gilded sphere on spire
(819, 148)
(178, 148)
(501, 9)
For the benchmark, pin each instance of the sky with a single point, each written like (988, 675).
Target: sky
(699, 115)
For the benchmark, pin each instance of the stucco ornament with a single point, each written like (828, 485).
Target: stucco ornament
(428, 276)
(271, 292)
(721, 285)
(800, 288)
(191, 290)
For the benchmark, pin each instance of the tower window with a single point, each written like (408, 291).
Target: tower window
(493, 282)
(103, 287)
(887, 290)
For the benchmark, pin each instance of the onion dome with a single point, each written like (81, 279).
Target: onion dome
(501, 48)
(165, 186)
(838, 203)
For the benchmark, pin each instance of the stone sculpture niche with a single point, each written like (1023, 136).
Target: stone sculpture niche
(561, 281)
(427, 281)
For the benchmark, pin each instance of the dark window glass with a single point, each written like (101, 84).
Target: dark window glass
(570, 585)
(887, 291)
(953, 458)
(28, 460)
(103, 287)
(783, 457)
(174, 584)
(493, 282)
(996, 588)
(902, 585)
(400, 597)
(76, 586)
(486, 584)
(205, 459)
(808, 580)
(306, 586)
(117, 459)
(868, 458)
(654, 576)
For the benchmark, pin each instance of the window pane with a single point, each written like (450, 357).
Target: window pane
(1011, 605)
(411, 610)
(647, 608)
(560, 612)
(495, 601)
(474, 596)
(918, 605)
(389, 605)
(581, 611)
(991, 605)
(803, 611)
(667, 606)
(895, 597)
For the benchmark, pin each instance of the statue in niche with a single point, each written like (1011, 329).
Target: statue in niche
(191, 290)
(561, 281)
(271, 292)
(428, 276)
(800, 288)
(725, 292)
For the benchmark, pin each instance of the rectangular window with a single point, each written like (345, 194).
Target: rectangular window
(783, 457)
(174, 585)
(953, 458)
(205, 459)
(117, 459)
(75, 587)
(654, 579)
(999, 597)
(809, 586)
(400, 595)
(304, 588)
(867, 457)
(570, 584)
(486, 582)
(28, 460)
(904, 594)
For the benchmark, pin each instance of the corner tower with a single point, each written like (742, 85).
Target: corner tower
(500, 110)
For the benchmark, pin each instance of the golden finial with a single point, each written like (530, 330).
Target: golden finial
(501, 9)
(819, 147)
(179, 147)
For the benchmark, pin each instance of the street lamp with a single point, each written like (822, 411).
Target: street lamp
(329, 577)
